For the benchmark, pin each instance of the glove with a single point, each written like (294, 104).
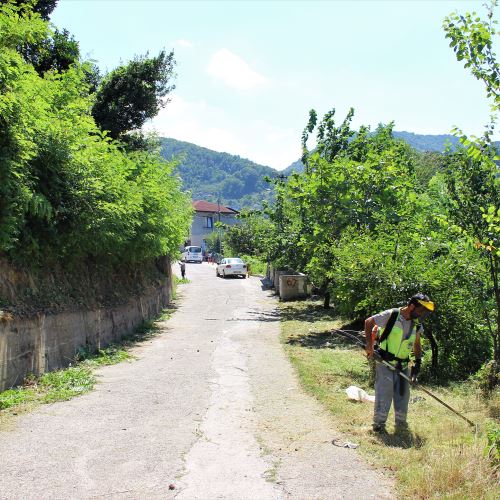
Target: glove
(415, 370)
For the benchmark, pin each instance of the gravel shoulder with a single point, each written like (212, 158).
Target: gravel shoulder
(211, 406)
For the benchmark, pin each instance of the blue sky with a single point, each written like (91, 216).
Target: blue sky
(248, 72)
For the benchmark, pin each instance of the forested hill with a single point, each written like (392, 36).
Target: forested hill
(420, 142)
(240, 182)
(208, 174)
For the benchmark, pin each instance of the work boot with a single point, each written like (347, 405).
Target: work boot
(379, 428)
(402, 428)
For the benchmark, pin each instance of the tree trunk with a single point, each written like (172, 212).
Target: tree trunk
(434, 350)
(326, 303)
(494, 265)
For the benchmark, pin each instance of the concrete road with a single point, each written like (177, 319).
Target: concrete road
(211, 409)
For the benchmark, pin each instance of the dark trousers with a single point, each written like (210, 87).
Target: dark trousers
(387, 391)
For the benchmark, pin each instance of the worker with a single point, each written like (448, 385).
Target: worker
(397, 335)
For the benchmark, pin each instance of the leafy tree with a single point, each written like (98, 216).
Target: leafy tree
(56, 52)
(358, 183)
(133, 93)
(472, 38)
(42, 7)
(251, 236)
(66, 191)
(473, 179)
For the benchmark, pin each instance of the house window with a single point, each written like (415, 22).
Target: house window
(209, 222)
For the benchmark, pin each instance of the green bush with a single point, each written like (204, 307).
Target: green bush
(66, 190)
(374, 272)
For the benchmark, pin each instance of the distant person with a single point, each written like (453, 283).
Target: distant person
(183, 269)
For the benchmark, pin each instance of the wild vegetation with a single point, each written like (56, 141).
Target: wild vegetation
(72, 189)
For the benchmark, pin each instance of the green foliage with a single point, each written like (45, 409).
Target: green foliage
(133, 93)
(66, 190)
(65, 384)
(14, 397)
(42, 7)
(472, 38)
(426, 165)
(378, 271)
(487, 378)
(473, 182)
(360, 184)
(255, 265)
(50, 387)
(213, 241)
(493, 446)
(251, 236)
(102, 357)
(369, 220)
(57, 52)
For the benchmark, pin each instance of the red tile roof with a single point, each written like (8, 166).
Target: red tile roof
(207, 206)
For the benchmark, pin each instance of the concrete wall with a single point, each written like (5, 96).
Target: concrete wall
(50, 341)
(293, 286)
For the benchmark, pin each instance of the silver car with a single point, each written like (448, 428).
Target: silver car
(231, 267)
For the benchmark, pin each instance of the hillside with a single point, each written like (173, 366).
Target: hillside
(420, 142)
(240, 182)
(208, 174)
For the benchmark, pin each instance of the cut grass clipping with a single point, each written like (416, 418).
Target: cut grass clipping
(64, 384)
(439, 457)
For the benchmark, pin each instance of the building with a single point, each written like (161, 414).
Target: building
(205, 217)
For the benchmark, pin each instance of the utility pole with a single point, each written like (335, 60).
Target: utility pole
(218, 227)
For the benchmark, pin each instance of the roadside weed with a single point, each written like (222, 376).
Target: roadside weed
(176, 282)
(65, 384)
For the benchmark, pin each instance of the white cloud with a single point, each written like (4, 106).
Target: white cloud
(212, 127)
(234, 71)
(196, 122)
(184, 43)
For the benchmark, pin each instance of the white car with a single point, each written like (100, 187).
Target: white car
(231, 267)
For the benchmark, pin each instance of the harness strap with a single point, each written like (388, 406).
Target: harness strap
(389, 325)
(388, 356)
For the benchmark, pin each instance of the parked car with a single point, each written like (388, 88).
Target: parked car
(232, 266)
(192, 254)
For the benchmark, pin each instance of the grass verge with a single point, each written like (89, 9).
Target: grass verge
(79, 377)
(256, 266)
(176, 282)
(439, 457)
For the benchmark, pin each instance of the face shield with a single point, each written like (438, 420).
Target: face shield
(422, 309)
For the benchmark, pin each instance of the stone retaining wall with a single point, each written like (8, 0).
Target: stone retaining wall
(50, 341)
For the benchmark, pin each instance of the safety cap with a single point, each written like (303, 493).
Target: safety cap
(427, 304)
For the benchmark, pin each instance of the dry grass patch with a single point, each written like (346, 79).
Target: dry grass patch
(439, 457)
